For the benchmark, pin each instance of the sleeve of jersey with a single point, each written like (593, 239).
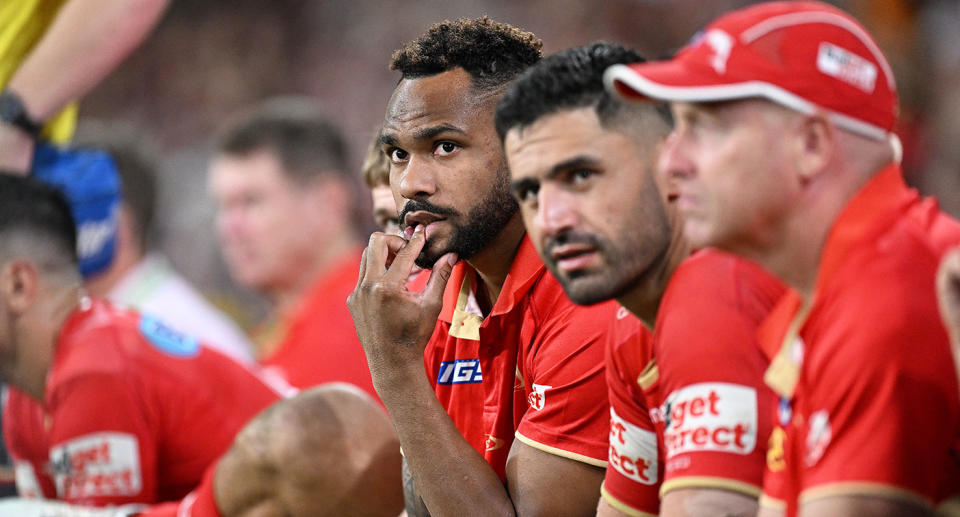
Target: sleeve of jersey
(884, 424)
(717, 419)
(568, 412)
(102, 450)
(632, 481)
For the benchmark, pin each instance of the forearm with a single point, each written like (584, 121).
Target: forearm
(450, 476)
(88, 39)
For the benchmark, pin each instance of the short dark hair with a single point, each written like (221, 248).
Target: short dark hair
(136, 166)
(492, 53)
(31, 208)
(569, 79)
(295, 129)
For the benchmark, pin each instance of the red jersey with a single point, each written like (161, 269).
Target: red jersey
(133, 412)
(531, 370)
(632, 481)
(199, 503)
(319, 343)
(869, 391)
(712, 421)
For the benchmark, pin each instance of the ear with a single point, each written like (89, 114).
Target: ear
(815, 144)
(19, 282)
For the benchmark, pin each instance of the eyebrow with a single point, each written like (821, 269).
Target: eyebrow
(573, 163)
(432, 131)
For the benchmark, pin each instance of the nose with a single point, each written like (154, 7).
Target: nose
(556, 211)
(416, 179)
(674, 162)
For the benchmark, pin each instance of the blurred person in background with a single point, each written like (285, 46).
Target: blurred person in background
(52, 52)
(287, 226)
(106, 406)
(376, 174)
(139, 277)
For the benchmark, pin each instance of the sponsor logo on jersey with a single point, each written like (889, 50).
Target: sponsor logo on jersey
(819, 435)
(166, 339)
(537, 398)
(460, 371)
(784, 411)
(97, 465)
(493, 443)
(26, 480)
(633, 450)
(711, 416)
(622, 312)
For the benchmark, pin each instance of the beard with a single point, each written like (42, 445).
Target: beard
(480, 226)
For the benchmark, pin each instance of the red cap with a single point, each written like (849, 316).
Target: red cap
(807, 56)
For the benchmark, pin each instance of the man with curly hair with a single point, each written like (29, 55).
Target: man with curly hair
(511, 415)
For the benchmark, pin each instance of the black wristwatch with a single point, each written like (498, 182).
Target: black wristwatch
(13, 112)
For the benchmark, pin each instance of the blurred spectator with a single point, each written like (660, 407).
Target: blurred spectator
(53, 52)
(139, 277)
(376, 174)
(286, 224)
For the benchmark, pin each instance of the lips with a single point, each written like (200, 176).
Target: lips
(571, 257)
(420, 217)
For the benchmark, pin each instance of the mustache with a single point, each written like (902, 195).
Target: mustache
(571, 237)
(418, 205)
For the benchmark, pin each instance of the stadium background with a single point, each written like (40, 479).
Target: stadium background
(209, 58)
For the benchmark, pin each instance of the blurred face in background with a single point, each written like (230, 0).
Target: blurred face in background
(385, 210)
(268, 226)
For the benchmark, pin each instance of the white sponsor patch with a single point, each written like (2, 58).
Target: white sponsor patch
(846, 66)
(818, 436)
(711, 416)
(538, 397)
(633, 450)
(26, 480)
(97, 465)
(721, 43)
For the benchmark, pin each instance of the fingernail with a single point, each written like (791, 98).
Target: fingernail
(452, 259)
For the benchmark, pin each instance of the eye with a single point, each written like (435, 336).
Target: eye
(445, 148)
(580, 176)
(397, 155)
(526, 194)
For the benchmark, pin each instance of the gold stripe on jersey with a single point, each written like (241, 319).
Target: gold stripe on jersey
(731, 485)
(621, 506)
(22, 24)
(784, 372)
(863, 488)
(561, 452)
(649, 376)
(465, 325)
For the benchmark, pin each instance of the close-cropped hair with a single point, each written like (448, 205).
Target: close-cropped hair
(376, 166)
(30, 209)
(492, 53)
(296, 131)
(569, 79)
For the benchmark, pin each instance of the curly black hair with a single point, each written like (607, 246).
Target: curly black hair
(569, 79)
(492, 53)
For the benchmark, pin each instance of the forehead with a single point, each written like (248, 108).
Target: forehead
(259, 170)
(563, 137)
(445, 98)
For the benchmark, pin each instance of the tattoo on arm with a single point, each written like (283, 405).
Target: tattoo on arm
(413, 502)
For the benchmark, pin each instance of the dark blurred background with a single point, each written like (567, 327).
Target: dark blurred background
(209, 58)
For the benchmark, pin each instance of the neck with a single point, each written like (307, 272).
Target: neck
(124, 261)
(493, 262)
(328, 254)
(644, 299)
(36, 335)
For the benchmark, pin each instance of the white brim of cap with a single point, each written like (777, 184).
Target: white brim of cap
(628, 83)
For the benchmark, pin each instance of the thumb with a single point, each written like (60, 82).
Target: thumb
(433, 292)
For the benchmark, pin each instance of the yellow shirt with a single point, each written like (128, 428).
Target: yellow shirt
(22, 24)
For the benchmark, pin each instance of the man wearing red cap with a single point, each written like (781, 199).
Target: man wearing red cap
(783, 152)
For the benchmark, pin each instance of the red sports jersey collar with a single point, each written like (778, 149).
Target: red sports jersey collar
(869, 212)
(524, 272)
